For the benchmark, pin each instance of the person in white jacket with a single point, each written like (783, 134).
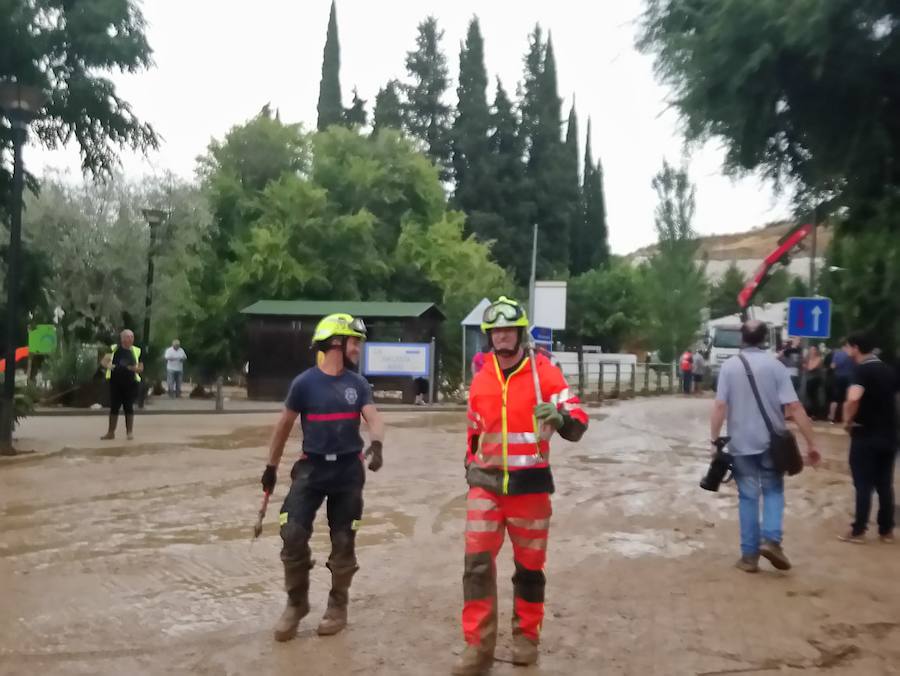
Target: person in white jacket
(175, 358)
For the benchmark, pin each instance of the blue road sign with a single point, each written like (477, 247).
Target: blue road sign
(541, 334)
(809, 317)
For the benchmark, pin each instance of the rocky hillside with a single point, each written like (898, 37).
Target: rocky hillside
(747, 249)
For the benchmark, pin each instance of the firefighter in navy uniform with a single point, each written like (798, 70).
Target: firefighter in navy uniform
(330, 399)
(508, 472)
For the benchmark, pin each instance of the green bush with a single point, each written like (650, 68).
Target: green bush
(72, 365)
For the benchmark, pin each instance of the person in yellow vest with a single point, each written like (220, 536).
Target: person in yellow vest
(124, 377)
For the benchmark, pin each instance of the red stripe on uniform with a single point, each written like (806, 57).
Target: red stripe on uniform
(324, 417)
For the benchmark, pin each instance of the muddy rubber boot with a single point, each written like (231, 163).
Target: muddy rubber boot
(335, 617)
(113, 423)
(474, 661)
(296, 582)
(129, 426)
(525, 651)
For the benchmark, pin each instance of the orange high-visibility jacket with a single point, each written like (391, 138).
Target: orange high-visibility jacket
(505, 448)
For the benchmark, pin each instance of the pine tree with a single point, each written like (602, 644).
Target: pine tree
(356, 115)
(469, 134)
(590, 246)
(388, 111)
(427, 116)
(331, 109)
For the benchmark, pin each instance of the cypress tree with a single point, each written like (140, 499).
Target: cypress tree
(593, 232)
(427, 116)
(330, 108)
(388, 111)
(554, 195)
(507, 217)
(469, 134)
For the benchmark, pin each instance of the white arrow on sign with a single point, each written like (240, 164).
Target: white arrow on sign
(816, 313)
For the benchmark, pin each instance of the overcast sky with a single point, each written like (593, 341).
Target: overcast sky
(218, 62)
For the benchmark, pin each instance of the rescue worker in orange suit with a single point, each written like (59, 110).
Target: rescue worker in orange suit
(508, 472)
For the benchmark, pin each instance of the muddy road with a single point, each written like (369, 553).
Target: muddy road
(135, 558)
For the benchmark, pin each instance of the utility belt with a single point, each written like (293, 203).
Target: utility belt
(330, 458)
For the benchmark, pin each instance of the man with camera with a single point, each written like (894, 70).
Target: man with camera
(754, 393)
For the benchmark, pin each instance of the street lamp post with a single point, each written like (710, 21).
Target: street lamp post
(154, 218)
(20, 104)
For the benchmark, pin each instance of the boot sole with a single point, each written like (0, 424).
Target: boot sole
(330, 631)
(283, 637)
(775, 560)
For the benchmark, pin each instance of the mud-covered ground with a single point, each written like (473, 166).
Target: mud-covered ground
(135, 557)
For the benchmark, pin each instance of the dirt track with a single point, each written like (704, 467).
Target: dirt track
(135, 558)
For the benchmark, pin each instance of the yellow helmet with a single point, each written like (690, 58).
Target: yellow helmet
(340, 324)
(503, 313)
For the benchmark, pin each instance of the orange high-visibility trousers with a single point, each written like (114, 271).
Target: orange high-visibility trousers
(527, 518)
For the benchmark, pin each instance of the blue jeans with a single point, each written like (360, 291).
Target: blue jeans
(756, 477)
(173, 382)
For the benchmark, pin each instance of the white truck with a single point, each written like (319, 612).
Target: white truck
(722, 338)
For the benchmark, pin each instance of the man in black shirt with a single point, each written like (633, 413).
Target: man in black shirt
(124, 377)
(871, 419)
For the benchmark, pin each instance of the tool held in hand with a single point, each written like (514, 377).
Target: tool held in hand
(546, 430)
(721, 464)
(257, 528)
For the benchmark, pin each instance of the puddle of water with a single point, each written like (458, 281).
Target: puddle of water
(596, 459)
(242, 437)
(443, 422)
(665, 544)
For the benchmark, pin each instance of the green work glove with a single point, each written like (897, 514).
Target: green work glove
(548, 414)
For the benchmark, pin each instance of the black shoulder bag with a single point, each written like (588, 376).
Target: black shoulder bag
(782, 443)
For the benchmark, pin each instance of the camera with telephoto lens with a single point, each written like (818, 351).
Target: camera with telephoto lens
(722, 463)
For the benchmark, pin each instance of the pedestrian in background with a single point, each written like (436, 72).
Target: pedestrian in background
(175, 358)
(699, 370)
(870, 416)
(687, 371)
(124, 376)
(842, 367)
(792, 358)
(754, 470)
(815, 383)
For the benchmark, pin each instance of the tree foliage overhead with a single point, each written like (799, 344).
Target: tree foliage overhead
(68, 49)
(867, 259)
(804, 91)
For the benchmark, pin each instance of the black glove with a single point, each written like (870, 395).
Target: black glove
(374, 452)
(268, 479)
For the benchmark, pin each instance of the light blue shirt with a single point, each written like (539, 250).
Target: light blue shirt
(746, 427)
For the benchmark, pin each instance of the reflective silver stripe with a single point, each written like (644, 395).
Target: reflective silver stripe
(529, 543)
(481, 505)
(511, 438)
(561, 396)
(511, 460)
(483, 526)
(530, 524)
(524, 460)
